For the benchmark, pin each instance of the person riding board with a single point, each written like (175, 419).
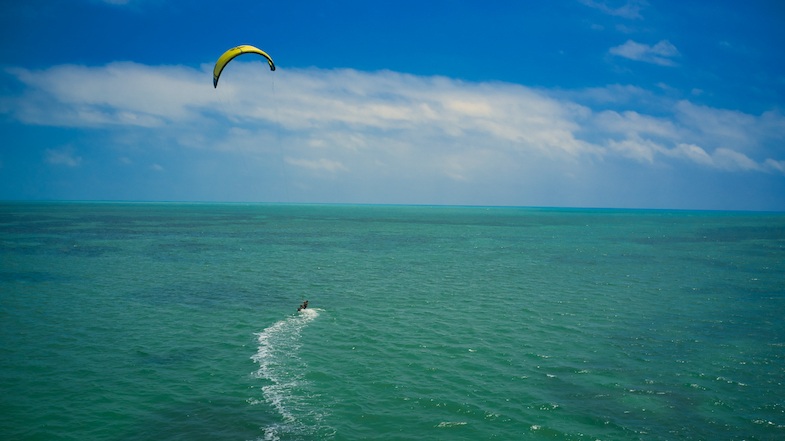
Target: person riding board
(303, 306)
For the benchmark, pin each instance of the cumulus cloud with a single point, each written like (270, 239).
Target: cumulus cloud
(661, 53)
(123, 94)
(333, 122)
(730, 128)
(715, 138)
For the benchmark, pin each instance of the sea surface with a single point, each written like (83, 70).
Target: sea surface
(175, 321)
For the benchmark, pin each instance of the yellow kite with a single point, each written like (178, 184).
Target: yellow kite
(230, 55)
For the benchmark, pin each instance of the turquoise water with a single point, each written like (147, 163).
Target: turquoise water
(178, 322)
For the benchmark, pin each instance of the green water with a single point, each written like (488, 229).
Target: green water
(178, 321)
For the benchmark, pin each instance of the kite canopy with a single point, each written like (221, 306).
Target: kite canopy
(232, 53)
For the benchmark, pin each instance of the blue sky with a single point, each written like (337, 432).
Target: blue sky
(577, 103)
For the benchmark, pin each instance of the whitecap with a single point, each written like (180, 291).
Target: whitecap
(451, 423)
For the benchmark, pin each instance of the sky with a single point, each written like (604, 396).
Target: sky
(565, 103)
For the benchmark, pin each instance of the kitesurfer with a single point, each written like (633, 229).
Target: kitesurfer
(303, 306)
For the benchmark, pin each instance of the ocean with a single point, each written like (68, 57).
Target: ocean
(178, 321)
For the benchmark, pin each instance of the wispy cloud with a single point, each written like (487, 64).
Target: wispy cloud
(115, 2)
(317, 164)
(662, 53)
(630, 9)
(64, 156)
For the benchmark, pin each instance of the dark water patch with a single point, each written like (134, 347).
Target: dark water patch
(36, 225)
(198, 417)
(56, 246)
(200, 294)
(117, 220)
(773, 235)
(181, 250)
(88, 250)
(743, 233)
(31, 277)
(365, 216)
(376, 242)
(205, 293)
(598, 259)
(176, 359)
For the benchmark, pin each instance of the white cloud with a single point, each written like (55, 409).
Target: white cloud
(318, 164)
(388, 125)
(774, 165)
(661, 53)
(692, 153)
(64, 156)
(123, 94)
(637, 148)
(631, 9)
(750, 134)
(728, 159)
(721, 158)
(633, 123)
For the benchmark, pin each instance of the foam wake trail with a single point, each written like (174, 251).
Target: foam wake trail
(280, 364)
